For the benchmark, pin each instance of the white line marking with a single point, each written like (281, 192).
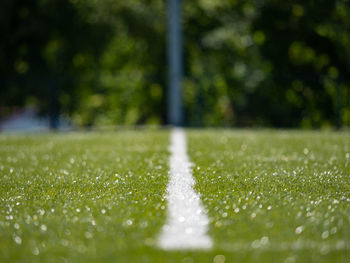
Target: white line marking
(187, 223)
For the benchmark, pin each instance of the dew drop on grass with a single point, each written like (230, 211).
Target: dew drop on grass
(35, 251)
(88, 235)
(17, 239)
(333, 230)
(103, 211)
(43, 228)
(264, 240)
(129, 222)
(219, 259)
(340, 244)
(325, 234)
(41, 212)
(324, 250)
(299, 229)
(255, 244)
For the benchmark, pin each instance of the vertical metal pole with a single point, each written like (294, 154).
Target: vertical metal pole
(175, 103)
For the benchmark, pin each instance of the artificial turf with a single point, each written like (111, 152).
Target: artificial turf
(271, 196)
(81, 197)
(275, 194)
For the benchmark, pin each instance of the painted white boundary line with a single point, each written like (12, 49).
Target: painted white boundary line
(187, 223)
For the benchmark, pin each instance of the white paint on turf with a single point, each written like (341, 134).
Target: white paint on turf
(187, 223)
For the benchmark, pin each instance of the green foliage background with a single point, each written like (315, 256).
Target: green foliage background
(247, 63)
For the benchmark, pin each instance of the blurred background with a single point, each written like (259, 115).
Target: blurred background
(247, 63)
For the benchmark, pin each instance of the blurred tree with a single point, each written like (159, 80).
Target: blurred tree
(307, 45)
(41, 44)
(131, 72)
(276, 63)
(247, 63)
(223, 63)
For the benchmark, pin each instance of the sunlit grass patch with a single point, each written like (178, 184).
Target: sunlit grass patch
(271, 196)
(81, 196)
(275, 191)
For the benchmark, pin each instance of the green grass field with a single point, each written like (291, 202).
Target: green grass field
(271, 196)
(276, 193)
